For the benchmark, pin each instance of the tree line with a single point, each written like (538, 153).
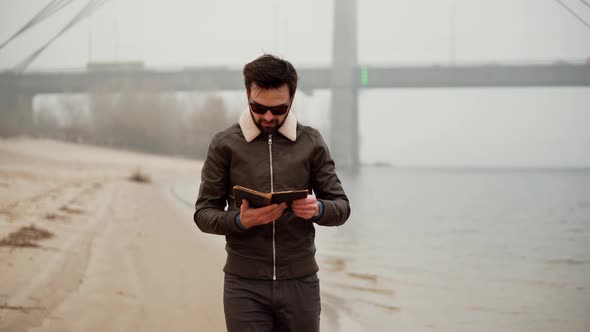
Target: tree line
(146, 121)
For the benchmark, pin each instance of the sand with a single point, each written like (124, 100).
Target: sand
(84, 248)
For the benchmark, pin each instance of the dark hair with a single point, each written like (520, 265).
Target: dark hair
(270, 72)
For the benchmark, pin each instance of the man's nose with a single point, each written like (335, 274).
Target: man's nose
(268, 116)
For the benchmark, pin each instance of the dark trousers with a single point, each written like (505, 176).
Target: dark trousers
(272, 306)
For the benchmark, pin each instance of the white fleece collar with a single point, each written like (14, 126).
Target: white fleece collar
(250, 131)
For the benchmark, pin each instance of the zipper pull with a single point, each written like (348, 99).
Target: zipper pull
(269, 139)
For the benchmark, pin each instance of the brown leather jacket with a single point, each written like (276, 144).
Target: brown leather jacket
(296, 157)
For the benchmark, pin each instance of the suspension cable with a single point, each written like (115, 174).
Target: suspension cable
(89, 8)
(574, 13)
(51, 8)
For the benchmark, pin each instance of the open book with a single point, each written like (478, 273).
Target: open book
(259, 199)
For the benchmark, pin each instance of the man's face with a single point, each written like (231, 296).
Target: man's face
(268, 123)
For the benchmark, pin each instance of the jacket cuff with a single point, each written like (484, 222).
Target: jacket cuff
(320, 212)
(239, 222)
(232, 226)
(330, 216)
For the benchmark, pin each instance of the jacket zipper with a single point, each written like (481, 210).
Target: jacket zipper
(274, 249)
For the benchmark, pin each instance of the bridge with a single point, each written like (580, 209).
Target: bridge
(366, 77)
(344, 78)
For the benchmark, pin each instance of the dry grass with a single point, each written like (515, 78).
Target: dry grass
(22, 309)
(374, 290)
(139, 176)
(25, 237)
(71, 210)
(368, 277)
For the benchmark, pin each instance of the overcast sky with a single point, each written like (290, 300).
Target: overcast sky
(506, 126)
(175, 33)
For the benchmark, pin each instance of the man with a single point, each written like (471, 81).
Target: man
(270, 272)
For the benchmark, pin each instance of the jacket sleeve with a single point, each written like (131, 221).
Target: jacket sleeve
(210, 215)
(327, 187)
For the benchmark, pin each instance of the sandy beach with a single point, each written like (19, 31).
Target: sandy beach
(85, 248)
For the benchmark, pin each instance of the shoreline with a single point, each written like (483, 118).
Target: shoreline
(111, 247)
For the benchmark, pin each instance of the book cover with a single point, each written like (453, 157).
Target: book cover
(259, 199)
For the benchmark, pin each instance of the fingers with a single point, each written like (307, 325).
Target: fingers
(306, 213)
(245, 205)
(271, 212)
(272, 208)
(305, 208)
(310, 200)
(261, 216)
(310, 207)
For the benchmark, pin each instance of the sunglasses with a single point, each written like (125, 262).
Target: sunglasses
(275, 110)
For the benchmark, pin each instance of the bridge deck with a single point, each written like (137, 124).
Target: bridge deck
(311, 78)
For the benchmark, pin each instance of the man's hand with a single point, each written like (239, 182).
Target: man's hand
(306, 208)
(250, 217)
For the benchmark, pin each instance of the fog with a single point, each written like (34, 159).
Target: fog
(184, 33)
(470, 208)
(529, 127)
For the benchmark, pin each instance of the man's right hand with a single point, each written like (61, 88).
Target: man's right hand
(250, 217)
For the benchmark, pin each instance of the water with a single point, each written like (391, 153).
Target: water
(457, 249)
(507, 127)
(449, 250)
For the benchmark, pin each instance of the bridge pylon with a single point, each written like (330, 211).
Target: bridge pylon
(344, 112)
(16, 110)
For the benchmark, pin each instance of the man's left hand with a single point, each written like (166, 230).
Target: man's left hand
(306, 208)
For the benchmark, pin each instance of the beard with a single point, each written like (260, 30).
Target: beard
(270, 129)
